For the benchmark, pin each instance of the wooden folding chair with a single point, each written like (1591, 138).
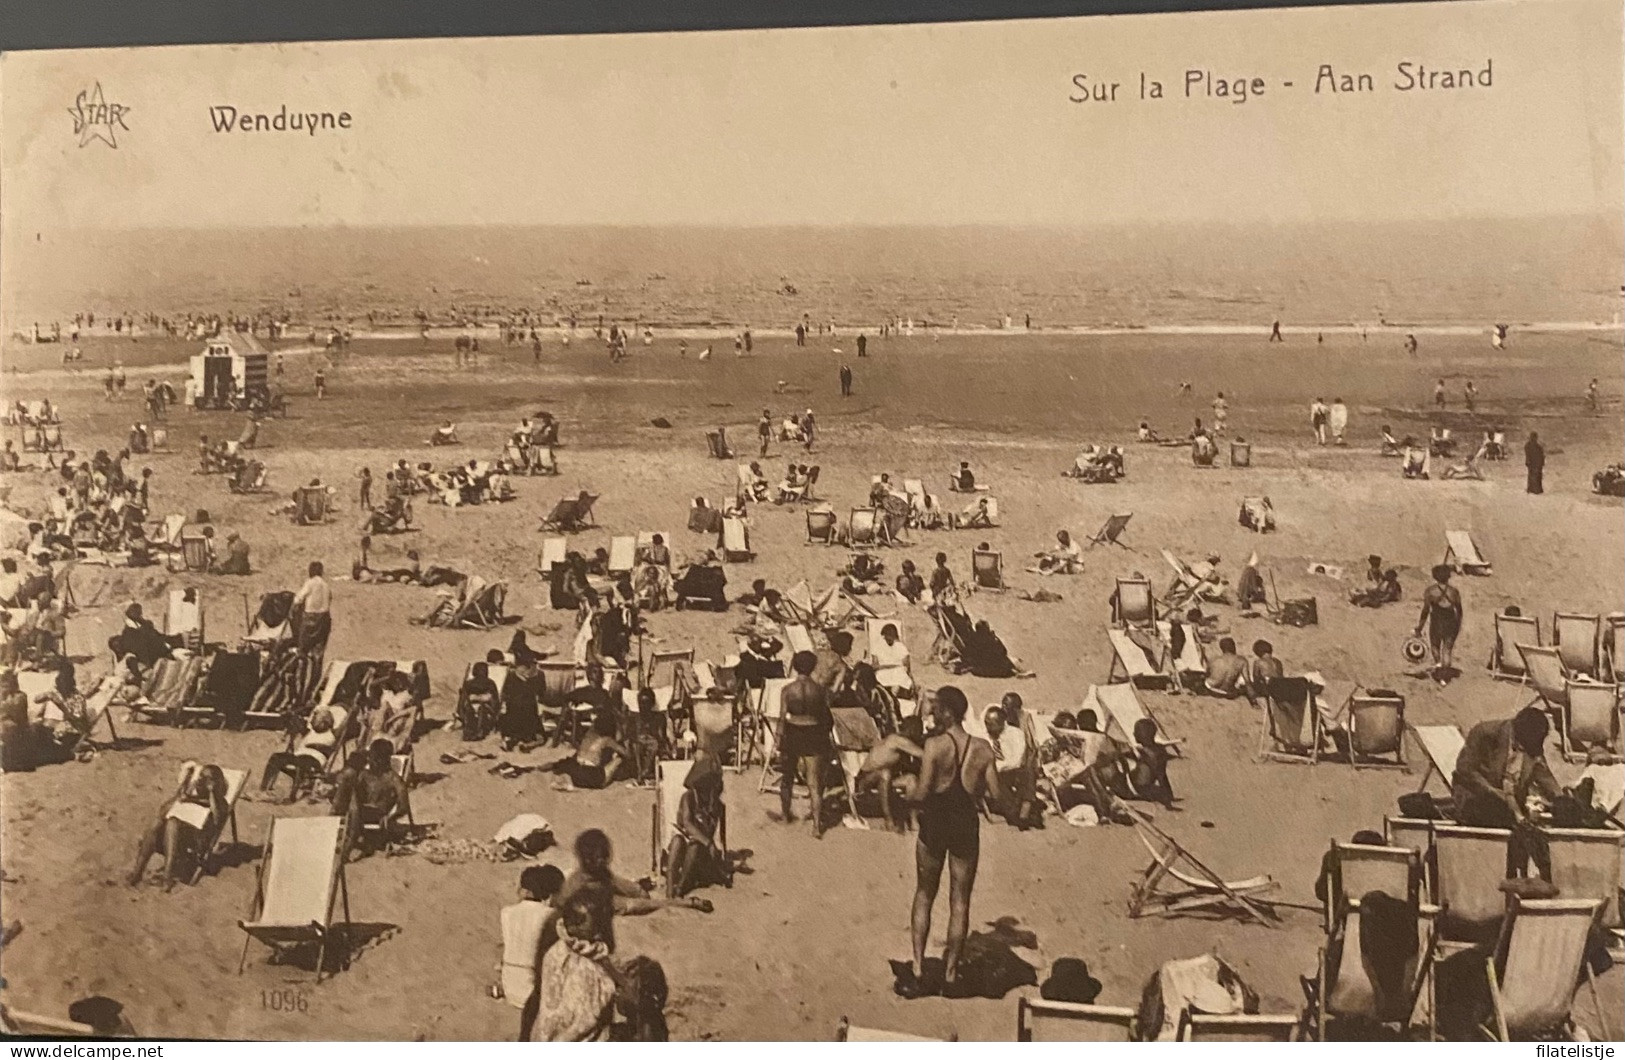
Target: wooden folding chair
(1442, 744)
(1461, 553)
(210, 841)
(301, 873)
(1358, 869)
(1202, 888)
(987, 570)
(1291, 725)
(1588, 722)
(1239, 1027)
(1376, 730)
(821, 524)
(1468, 867)
(1540, 957)
(1506, 662)
(1343, 990)
(1038, 1020)
(1111, 532)
(1576, 636)
(1134, 604)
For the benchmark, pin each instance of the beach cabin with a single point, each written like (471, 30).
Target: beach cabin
(231, 364)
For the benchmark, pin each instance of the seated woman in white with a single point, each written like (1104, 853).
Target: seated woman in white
(891, 660)
(1065, 558)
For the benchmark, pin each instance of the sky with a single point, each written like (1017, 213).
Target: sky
(946, 124)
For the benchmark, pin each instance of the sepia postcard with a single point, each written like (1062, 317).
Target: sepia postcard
(1077, 529)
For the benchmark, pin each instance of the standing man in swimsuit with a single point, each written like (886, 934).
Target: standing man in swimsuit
(956, 773)
(804, 738)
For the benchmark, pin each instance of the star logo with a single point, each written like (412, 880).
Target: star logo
(96, 119)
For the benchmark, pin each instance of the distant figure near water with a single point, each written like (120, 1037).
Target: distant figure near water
(1275, 332)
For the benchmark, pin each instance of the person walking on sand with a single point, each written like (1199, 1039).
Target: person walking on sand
(846, 380)
(1442, 614)
(1339, 417)
(764, 429)
(1591, 396)
(1275, 332)
(1534, 462)
(1318, 416)
(1469, 396)
(808, 430)
(321, 384)
(1221, 414)
(956, 773)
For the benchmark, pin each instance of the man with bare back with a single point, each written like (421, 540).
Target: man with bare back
(956, 774)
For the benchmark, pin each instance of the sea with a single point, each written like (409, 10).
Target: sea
(1425, 273)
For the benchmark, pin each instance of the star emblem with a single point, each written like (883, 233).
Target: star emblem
(96, 119)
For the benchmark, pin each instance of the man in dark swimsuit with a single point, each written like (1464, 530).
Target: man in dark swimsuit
(956, 773)
(804, 737)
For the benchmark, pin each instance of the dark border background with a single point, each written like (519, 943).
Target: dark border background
(31, 24)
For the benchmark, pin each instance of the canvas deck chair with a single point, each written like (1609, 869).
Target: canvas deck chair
(1343, 990)
(264, 634)
(1038, 1020)
(310, 505)
(481, 607)
(716, 444)
(1575, 636)
(744, 483)
(193, 553)
(235, 779)
(1537, 966)
(1586, 863)
(1192, 661)
(736, 541)
(1134, 604)
(1129, 662)
(1118, 706)
(846, 1031)
(769, 710)
(1588, 723)
(1358, 869)
(1376, 729)
(1412, 833)
(1199, 887)
(670, 776)
(622, 554)
(821, 524)
(1239, 1027)
(797, 637)
(554, 550)
(662, 667)
(1111, 532)
(987, 570)
(1469, 865)
(1442, 744)
(185, 619)
(1548, 677)
(168, 537)
(1292, 728)
(1511, 631)
(1461, 553)
(863, 528)
(300, 875)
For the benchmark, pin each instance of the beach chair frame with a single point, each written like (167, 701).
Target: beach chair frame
(987, 570)
(1237, 1027)
(1506, 662)
(1489, 904)
(821, 527)
(236, 780)
(740, 554)
(1123, 672)
(1548, 677)
(312, 506)
(1462, 554)
(1274, 746)
(322, 933)
(1400, 869)
(1592, 709)
(1613, 647)
(868, 536)
(1121, 1017)
(1319, 1013)
(1202, 888)
(194, 553)
(1579, 649)
(1124, 616)
(1497, 965)
(1442, 745)
(1365, 704)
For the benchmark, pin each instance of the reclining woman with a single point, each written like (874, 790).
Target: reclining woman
(197, 807)
(695, 857)
(306, 756)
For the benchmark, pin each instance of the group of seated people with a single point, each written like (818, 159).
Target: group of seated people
(797, 480)
(476, 482)
(39, 413)
(1381, 585)
(530, 445)
(1098, 464)
(1204, 450)
(1610, 481)
(1083, 765)
(99, 507)
(49, 727)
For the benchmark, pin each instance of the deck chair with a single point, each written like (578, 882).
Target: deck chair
(1588, 723)
(1613, 646)
(736, 541)
(1343, 990)
(168, 537)
(1134, 604)
(1536, 967)
(1461, 553)
(661, 668)
(716, 444)
(1129, 662)
(1192, 661)
(1065, 1021)
(300, 875)
(1292, 730)
(670, 775)
(1575, 637)
(185, 619)
(769, 710)
(235, 779)
(311, 505)
(863, 527)
(1358, 869)
(797, 637)
(32, 1025)
(622, 554)
(1469, 865)
(1511, 631)
(846, 1032)
(554, 550)
(1201, 887)
(987, 570)
(1548, 676)
(1442, 744)
(1412, 833)
(1586, 863)
(1240, 1027)
(1376, 729)
(194, 553)
(1111, 532)
(1117, 706)
(821, 526)
(481, 607)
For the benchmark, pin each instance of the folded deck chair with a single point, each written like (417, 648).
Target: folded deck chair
(1536, 967)
(1376, 729)
(1547, 675)
(1134, 604)
(987, 569)
(184, 619)
(1065, 1021)
(1469, 865)
(1588, 723)
(553, 553)
(1575, 637)
(1111, 532)
(1201, 887)
(1130, 664)
(821, 526)
(1292, 726)
(1586, 863)
(1461, 553)
(846, 1032)
(1510, 632)
(235, 779)
(1118, 706)
(863, 527)
(736, 541)
(622, 554)
(1442, 744)
(1343, 990)
(1358, 869)
(483, 606)
(1239, 1027)
(300, 875)
(1192, 661)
